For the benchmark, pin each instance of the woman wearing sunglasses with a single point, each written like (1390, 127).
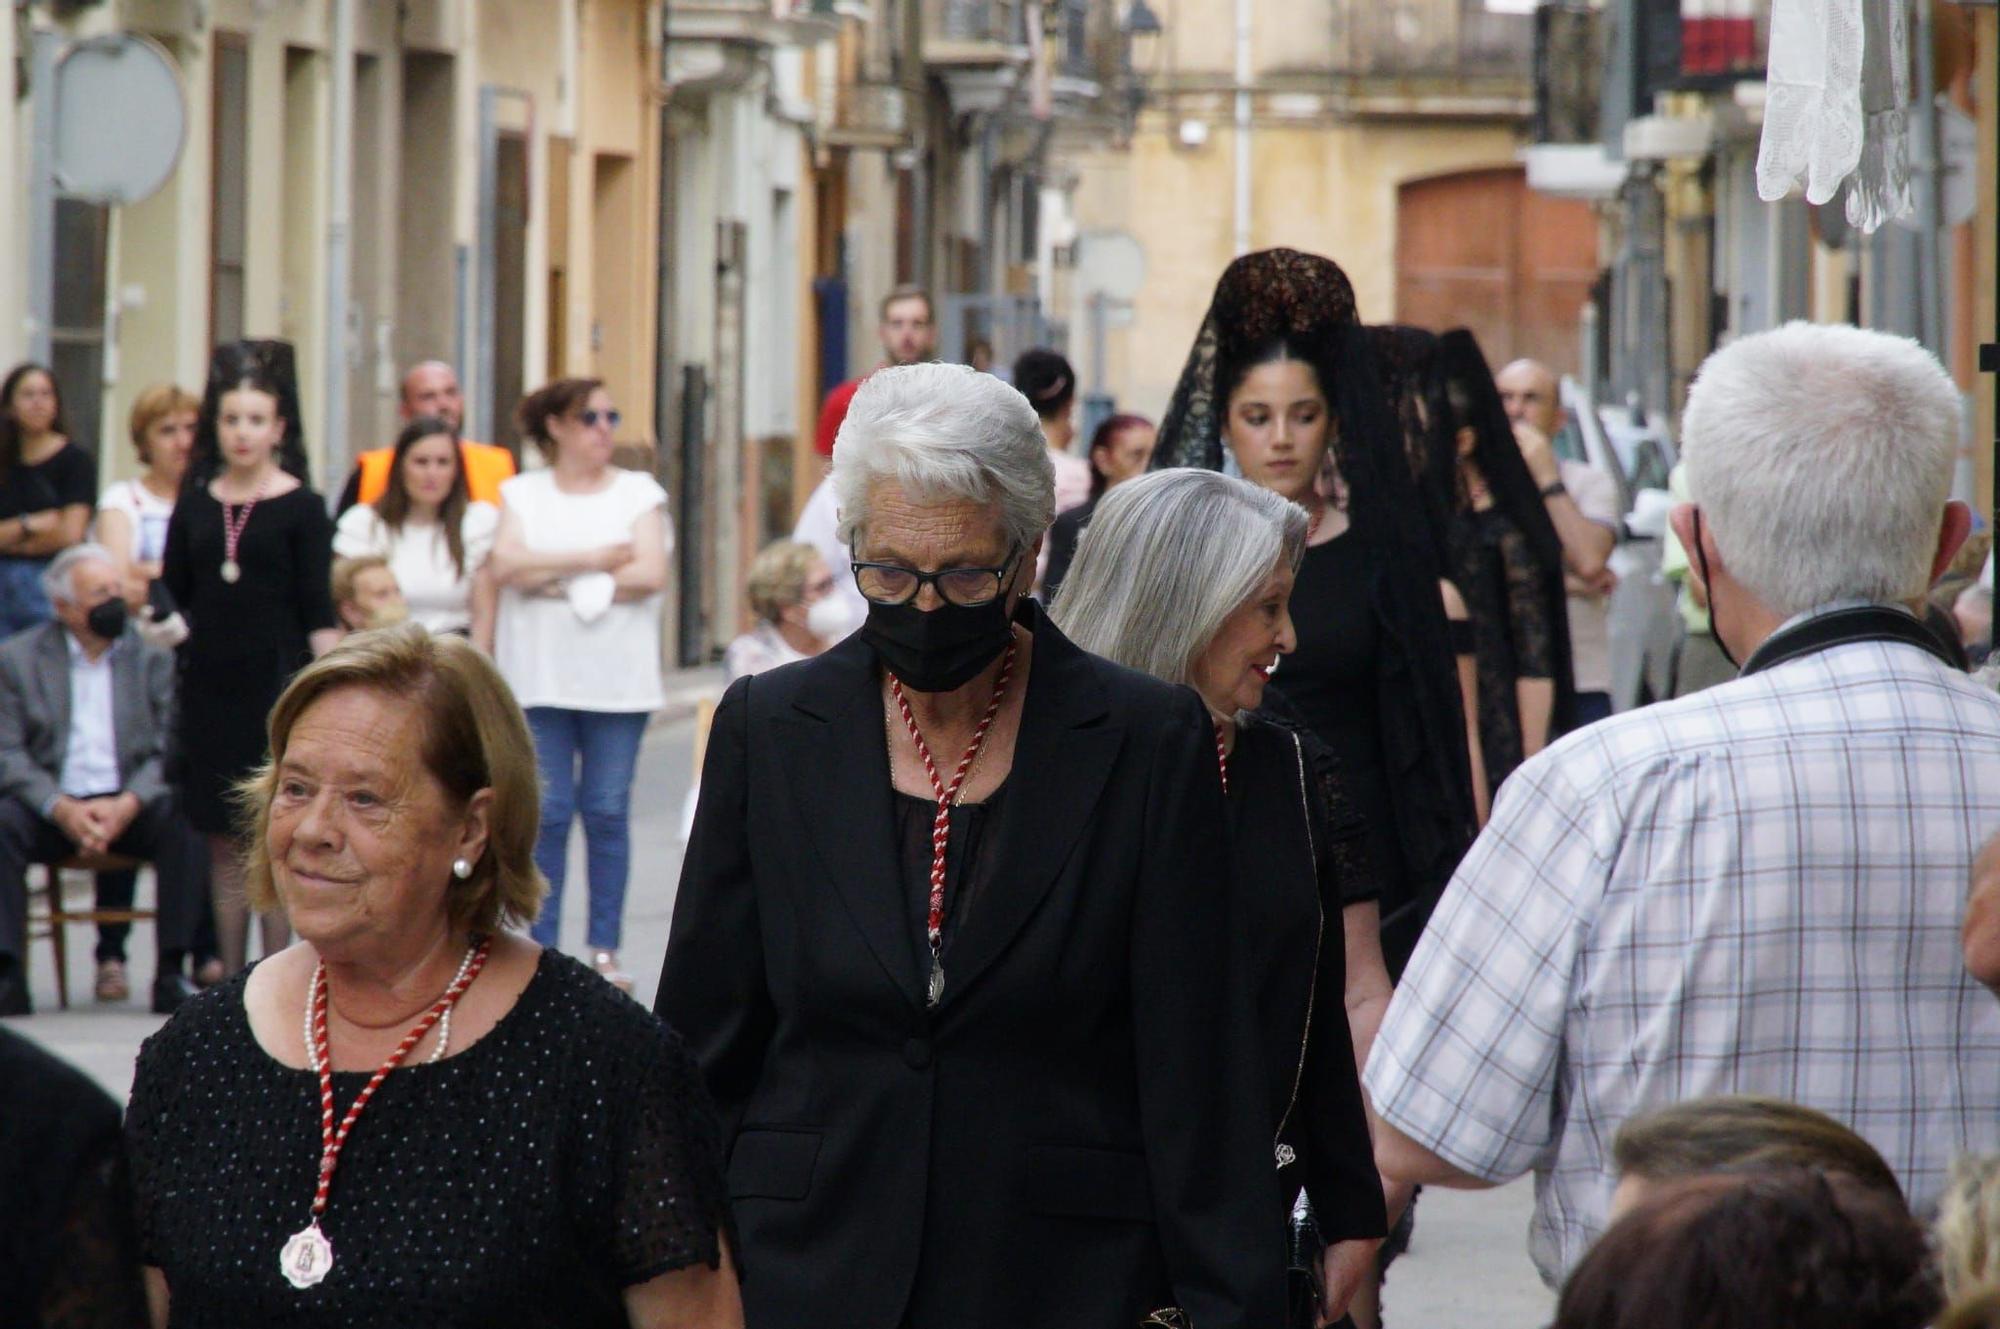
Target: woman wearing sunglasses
(581, 560)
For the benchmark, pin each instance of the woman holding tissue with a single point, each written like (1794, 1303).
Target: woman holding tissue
(578, 638)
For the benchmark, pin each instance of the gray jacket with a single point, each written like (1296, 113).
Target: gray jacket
(34, 714)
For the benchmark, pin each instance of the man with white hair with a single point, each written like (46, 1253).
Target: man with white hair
(1756, 889)
(86, 711)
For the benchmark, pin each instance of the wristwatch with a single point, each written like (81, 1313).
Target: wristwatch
(1552, 488)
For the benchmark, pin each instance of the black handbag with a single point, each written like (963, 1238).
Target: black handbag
(1305, 1275)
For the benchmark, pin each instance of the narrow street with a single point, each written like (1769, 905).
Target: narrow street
(1468, 1268)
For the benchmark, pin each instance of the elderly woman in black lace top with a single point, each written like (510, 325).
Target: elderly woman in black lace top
(416, 1115)
(1187, 575)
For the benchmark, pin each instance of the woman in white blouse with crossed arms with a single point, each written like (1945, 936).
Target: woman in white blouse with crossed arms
(436, 540)
(581, 560)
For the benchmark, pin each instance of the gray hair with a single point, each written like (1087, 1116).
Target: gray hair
(1166, 559)
(945, 432)
(1822, 457)
(57, 576)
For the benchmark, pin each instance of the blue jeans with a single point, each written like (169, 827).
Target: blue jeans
(22, 603)
(605, 745)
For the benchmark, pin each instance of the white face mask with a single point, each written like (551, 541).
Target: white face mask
(829, 618)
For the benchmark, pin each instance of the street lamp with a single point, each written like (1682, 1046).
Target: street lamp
(1141, 30)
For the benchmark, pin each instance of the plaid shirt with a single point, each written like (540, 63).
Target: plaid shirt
(1755, 889)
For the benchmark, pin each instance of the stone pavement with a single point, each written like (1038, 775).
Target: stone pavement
(1468, 1267)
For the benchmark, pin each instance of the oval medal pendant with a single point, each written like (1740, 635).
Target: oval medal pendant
(307, 1257)
(935, 992)
(230, 571)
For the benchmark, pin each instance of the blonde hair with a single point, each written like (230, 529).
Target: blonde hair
(1968, 1227)
(474, 738)
(1745, 1133)
(777, 578)
(154, 405)
(347, 571)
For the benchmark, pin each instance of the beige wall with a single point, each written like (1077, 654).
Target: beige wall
(416, 160)
(1326, 187)
(614, 172)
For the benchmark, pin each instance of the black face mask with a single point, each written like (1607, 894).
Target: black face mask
(938, 650)
(1708, 591)
(108, 619)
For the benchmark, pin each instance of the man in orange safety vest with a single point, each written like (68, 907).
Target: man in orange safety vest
(431, 388)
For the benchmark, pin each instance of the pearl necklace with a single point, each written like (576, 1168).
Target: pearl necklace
(443, 1024)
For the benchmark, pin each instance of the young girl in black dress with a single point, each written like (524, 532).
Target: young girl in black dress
(248, 560)
(1282, 382)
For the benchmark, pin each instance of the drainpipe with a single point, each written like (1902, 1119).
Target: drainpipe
(1242, 237)
(1926, 176)
(338, 451)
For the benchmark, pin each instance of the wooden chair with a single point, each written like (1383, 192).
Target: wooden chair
(53, 923)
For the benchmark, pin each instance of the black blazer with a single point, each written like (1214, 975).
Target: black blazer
(1294, 854)
(1077, 1136)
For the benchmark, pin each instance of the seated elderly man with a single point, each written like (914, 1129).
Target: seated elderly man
(1756, 889)
(85, 713)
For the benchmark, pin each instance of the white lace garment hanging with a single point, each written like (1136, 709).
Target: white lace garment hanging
(1880, 190)
(1836, 107)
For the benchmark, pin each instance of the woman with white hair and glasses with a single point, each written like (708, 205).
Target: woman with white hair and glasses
(1187, 575)
(968, 1018)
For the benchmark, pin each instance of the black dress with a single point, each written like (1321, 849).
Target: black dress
(1063, 537)
(566, 1156)
(247, 639)
(1513, 637)
(68, 1256)
(1331, 682)
(1298, 854)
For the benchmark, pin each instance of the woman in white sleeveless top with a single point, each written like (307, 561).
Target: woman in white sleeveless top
(132, 515)
(581, 560)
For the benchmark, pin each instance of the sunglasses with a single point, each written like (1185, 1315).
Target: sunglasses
(591, 417)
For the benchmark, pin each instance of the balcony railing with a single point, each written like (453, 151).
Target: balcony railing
(1441, 39)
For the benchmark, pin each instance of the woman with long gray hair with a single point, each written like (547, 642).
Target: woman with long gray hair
(1187, 575)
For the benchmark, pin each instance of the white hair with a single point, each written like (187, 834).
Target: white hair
(58, 577)
(945, 432)
(1821, 457)
(1166, 559)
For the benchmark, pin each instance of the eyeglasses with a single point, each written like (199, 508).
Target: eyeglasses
(591, 417)
(893, 584)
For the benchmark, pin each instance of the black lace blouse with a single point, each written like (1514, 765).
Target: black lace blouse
(569, 1154)
(1513, 635)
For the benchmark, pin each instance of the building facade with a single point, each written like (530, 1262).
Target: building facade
(1383, 135)
(500, 180)
(1653, 109)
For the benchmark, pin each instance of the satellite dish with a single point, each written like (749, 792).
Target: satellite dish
(119, 119)
(1110, 263)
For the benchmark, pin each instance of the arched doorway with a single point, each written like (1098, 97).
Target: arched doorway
(1480, 250)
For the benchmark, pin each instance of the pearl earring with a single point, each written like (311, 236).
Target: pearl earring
(461, 869)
